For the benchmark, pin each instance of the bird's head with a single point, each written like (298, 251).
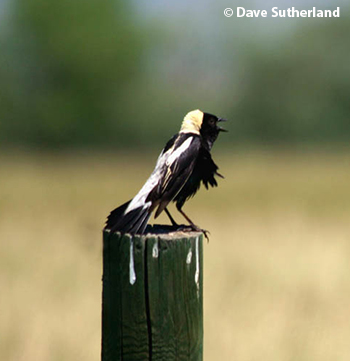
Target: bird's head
(203, 124)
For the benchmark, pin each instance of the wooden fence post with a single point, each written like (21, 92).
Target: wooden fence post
(152, 299)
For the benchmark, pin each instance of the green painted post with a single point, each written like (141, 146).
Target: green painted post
(152, 299)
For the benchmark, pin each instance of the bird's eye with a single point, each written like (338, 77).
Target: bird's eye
(211, 121)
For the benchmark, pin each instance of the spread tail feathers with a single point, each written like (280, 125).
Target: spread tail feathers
(133, 221)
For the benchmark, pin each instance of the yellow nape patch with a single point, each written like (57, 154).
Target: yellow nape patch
(192, 122)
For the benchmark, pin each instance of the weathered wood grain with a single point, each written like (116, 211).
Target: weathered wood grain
(152, 300)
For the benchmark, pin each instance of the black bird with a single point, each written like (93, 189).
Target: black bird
(183, 164)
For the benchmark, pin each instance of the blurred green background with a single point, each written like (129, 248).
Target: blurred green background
(100, 74)
(91, 91)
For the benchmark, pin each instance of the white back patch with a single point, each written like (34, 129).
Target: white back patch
(140, 199)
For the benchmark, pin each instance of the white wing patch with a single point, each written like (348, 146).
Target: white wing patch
(165, 160)
(172, 158)
(176, 154)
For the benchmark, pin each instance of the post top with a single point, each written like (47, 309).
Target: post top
(168, 232)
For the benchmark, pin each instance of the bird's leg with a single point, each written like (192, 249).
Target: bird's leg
(170, 217)
(187, 218)
(193, 226)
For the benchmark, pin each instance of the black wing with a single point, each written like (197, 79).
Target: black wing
(180, 160)
(204, 171)
(208, 169)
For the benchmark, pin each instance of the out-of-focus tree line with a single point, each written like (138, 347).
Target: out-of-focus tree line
(97, 74)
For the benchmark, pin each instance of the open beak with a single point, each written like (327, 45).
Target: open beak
(222, 129)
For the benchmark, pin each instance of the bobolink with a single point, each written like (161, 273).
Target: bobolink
(183, 164)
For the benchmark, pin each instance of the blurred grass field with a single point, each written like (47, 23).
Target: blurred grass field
(276, 269)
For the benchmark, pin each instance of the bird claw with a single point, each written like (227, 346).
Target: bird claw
(205, 232)
(195, 228)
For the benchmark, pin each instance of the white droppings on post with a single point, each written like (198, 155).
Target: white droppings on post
(155, 251)
(132, 274)
(189, 256)
(196, 276)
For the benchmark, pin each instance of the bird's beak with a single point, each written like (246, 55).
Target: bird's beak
(222, 129)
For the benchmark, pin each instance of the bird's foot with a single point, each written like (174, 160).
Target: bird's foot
(204, 231)
(195, 228)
